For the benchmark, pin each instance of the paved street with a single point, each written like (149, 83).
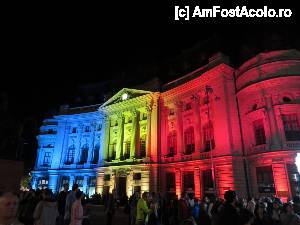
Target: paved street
(97, 216)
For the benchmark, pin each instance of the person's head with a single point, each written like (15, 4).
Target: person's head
(8, 206)
(288, 208)
(296, 200)
(66, 187)
(277, 204)
(230, 197)
(137, 194)
(75, 187)
(206, 199)
(145, 195)
(78, 195)
(46, 194)
(184, 195)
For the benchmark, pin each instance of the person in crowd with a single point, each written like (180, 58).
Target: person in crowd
(28, 202)
(8, 209)
(184, 211)
(204, 212)
(261, 216)
(133, 200)
(276, 211)
(246, 217)
(191, 200)
(110, 207)
(70, 199)
(77, 210)
(142, 209)
(153, 214)
(229, 214)
(289, 217)
(296, 206)
(46, 211)
(196, 210)
(251, 205)
(61, 202)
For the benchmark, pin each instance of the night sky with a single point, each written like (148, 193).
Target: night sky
(47, 57)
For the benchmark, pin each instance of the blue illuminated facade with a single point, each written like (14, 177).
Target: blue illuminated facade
(69, 148)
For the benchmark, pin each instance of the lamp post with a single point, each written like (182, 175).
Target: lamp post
(209, 90)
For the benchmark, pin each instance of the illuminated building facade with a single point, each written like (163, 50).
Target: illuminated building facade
(215, 129)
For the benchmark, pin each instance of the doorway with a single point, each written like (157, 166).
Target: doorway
(121, 189)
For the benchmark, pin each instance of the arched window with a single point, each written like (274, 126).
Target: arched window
(189, 141)
(84, 154)
(208, 136)
(70, 155)
(172, 144)
(96, 154)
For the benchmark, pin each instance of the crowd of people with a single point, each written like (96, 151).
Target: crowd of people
(42, 207)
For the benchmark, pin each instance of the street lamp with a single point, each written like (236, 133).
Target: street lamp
(209, 90)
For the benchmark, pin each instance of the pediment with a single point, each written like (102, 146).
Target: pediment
(124, 95)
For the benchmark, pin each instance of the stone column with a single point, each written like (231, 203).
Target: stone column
(91, 144)
(179, 127)
(197, 125)
(53, 181)
(105, 139)
(274, 132)
(197, 182)
(71, 181)
(134, 133)
(178, 182)
(34, 182)
(148, 137)
(100, 182)
(85, 184)
(164, 129)
(281, 180)
(119, 146)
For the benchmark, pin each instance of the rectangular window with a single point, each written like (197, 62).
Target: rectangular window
(64, 180)
(170, 181)
(259, 132)
(171, 112)
(87, 129)
(189, 141)
(106, 177)
(265, 180)
(188, 181)
(137, 176)
(172, 143)
(74, 130)
(79, 181)
(127, 150)
(208, 186)
(47, 158)
(92, 181)
(291, 127)
(43, 183)
(142, 148)
(208, 137)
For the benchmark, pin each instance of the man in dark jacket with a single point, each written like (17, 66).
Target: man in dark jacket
(61, 202)
(110, 207)
(229, 214)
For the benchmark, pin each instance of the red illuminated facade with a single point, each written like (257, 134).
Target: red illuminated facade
(249, 119)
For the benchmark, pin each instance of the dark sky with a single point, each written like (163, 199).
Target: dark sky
(47, 56)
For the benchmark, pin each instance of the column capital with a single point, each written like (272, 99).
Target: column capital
(134, 112)
(120, 116)
(148, 109)
(178, 104)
